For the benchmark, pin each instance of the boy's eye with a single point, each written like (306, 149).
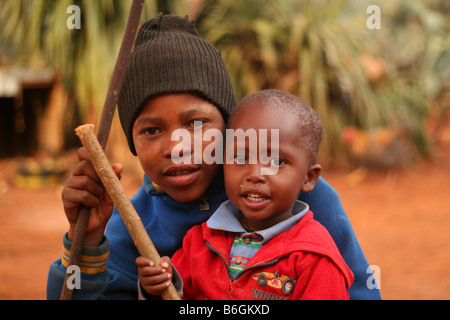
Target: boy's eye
(240, 160)
(276, 162)
(150, 131)
(196, 123)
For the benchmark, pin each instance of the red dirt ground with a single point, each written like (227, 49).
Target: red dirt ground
(402, 221)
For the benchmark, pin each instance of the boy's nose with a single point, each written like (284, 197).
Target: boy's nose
(254, 174)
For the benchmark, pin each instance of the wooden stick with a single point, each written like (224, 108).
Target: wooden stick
(123, 204)
(103, 131)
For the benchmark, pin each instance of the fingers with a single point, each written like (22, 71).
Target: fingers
(85, 166)
(84, 185)
(84, 176)
(81, 189)
(117, 167)
(166, 264)
(143, 262)
(82, 154)
(148, 269)
(154, 279)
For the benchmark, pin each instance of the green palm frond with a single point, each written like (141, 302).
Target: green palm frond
(36, 33)
(316, 50)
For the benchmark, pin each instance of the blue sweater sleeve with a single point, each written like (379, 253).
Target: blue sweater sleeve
(91, 275)
(328, 210)
(99, 278)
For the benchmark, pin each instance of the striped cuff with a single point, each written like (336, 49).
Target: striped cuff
(92, 260)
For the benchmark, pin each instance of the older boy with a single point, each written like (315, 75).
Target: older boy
(173, 79)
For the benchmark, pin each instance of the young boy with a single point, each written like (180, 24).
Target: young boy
(262, 239)
(174, 80)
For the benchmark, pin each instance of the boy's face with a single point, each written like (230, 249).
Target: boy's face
(265, 200)
(152, 136)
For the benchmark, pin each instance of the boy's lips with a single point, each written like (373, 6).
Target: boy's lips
(181, 176)
(255, 199)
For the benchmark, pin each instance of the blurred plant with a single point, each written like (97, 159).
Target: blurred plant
(323, 52)
(34, 32)
(319, 50)
(418, 53)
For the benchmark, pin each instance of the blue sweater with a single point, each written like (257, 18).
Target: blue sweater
(167, 221)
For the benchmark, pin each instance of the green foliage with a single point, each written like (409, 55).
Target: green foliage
(320, 50)
(34, 32)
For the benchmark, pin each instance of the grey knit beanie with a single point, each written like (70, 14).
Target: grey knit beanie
(170, 57)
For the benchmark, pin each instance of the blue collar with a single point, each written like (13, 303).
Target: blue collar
(227, 217)
(150, 187)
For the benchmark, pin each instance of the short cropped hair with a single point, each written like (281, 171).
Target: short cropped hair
(310, 127)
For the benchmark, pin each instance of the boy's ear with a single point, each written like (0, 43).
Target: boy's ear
(311, 177)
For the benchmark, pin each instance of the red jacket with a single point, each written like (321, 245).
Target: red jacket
(301, 263)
